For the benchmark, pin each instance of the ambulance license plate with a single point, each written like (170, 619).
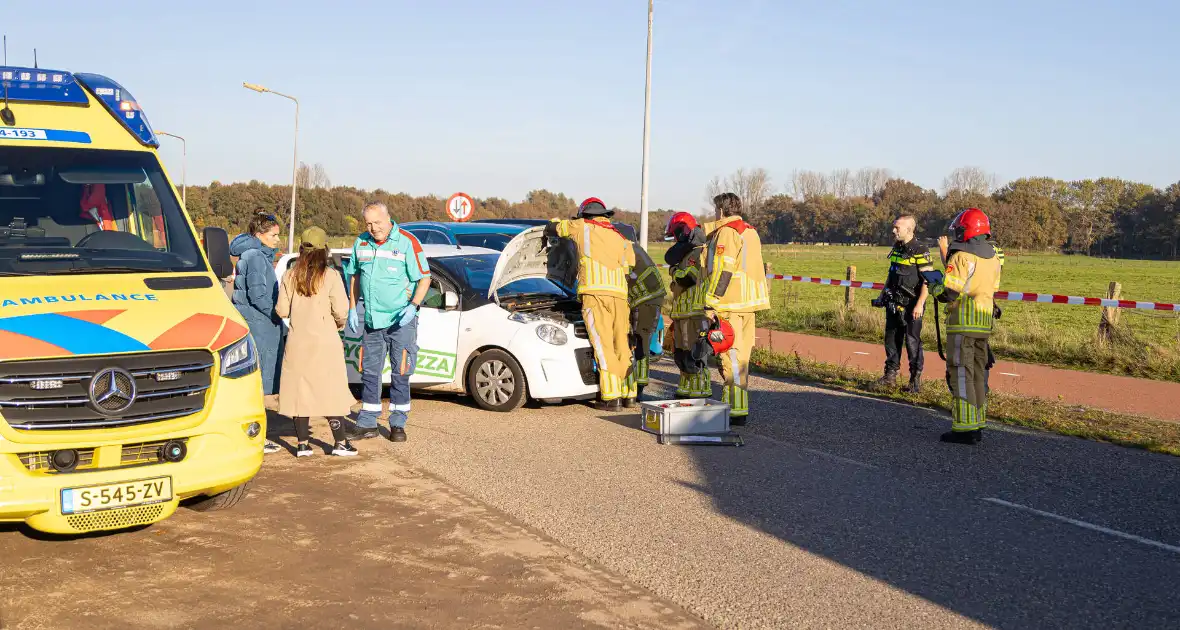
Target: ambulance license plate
(116, 495)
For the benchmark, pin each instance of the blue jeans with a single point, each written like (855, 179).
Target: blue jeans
(399, 344)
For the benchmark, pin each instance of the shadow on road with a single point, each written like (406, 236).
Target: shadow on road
(867, 484)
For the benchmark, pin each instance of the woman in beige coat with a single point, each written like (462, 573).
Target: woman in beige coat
(313, 381)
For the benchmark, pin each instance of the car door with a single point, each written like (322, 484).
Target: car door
(438, 335)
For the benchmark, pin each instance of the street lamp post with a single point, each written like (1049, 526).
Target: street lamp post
(183, 166)
(295, 159)
(646, 134)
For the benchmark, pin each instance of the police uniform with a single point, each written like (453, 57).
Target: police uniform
(646, 292)
(906, 262)
(735, 288)
(972, 278)
(605, 258)
(389, 274)
(687, 276)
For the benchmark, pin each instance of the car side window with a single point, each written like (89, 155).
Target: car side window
(431, 237)
(434, 296)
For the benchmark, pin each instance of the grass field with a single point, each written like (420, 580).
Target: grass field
(1146, 344)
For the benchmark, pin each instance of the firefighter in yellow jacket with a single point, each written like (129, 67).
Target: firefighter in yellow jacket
(686, 260)
(646, 294)
(605, 258)
(735, 289)
(973, 269)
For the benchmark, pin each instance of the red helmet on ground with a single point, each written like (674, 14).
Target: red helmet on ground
(970, 223)
(681, 221)
(721, 336)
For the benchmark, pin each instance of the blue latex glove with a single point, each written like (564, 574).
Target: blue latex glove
(408, 314)
(354, 322)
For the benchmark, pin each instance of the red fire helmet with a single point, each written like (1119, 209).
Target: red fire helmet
(677, 221)
(721, 336)
(970, 223)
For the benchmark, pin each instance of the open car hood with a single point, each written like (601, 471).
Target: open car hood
(531, 255)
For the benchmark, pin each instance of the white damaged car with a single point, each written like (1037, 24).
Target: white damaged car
(493, 326)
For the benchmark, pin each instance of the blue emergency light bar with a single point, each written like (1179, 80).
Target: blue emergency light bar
(34, 85)
(121, 105)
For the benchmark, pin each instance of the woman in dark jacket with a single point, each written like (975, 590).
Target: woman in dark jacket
(255, 292)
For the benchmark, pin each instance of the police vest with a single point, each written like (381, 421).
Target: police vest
(905, 261)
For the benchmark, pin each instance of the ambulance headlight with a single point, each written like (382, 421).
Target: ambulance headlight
(552, 334)
(239, 359)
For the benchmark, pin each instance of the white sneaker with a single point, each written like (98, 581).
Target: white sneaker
(271, 447)
(344, 449)
(304, 450)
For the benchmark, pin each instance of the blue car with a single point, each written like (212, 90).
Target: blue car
(625, 229)
(489, 235)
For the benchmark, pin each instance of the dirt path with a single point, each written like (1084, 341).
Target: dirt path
(323, 542)
(1121, 394)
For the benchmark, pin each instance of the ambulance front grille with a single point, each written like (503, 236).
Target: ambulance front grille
(54, 394)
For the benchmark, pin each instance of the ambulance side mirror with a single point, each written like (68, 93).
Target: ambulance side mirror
(217, 249)
(450, 300)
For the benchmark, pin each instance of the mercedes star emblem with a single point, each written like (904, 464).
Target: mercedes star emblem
(112, 390)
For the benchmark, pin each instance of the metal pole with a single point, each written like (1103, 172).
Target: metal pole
(183, 166)
(646, 134)
(294, 181)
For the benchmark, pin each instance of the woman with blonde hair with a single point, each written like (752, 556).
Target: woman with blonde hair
(313, 381)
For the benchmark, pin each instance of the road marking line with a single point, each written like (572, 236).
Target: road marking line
(1085, 525)
(864, 353)
(1009, 374)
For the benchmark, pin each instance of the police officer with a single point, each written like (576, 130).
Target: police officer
(605, 258)
(904, 301)
(972, 278)
(388, 269)
(646, 294)
(735, 289)
(686, 261)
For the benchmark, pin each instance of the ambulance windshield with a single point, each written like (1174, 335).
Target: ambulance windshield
(86, 211)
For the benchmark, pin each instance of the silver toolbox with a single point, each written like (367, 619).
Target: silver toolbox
(695, 421)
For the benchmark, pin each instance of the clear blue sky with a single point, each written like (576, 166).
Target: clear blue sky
(495, 98)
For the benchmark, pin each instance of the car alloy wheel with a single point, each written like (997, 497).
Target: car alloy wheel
(494, 382)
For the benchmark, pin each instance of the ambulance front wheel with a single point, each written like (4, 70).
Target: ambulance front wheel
(496, 381)
(222, 501)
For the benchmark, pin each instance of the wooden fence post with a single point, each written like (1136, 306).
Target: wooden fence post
(1110, 315)
(849, 295)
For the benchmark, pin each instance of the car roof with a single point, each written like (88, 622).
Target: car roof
(431, 251)
(467, 228)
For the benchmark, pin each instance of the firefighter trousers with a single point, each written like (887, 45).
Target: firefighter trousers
(966, 376)
(645, 317)
(608, 320)
(685, 333)
(735, 364)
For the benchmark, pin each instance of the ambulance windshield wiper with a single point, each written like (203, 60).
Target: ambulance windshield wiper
(110, 269)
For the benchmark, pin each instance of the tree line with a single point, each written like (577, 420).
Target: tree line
(1107, 216)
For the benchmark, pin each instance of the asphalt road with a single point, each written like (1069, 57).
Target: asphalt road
(840, 511)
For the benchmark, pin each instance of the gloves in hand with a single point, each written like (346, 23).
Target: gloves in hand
(354, 321)
(408, 315)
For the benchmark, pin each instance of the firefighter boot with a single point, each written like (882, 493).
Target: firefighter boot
(606, 405)
(888, 380)
(915, 385)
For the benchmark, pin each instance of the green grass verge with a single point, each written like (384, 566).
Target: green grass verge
(1033, 413)
(1145, 344)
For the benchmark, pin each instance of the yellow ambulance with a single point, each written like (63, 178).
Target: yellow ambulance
(128, 382)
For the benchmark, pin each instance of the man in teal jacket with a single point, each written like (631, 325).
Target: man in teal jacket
(388, 270)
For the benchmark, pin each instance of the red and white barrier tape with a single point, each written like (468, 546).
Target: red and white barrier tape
(1015, 296)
